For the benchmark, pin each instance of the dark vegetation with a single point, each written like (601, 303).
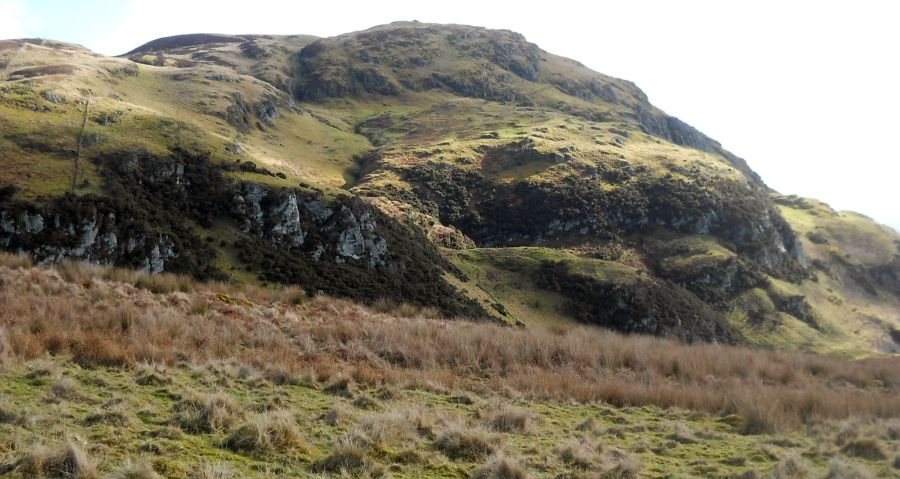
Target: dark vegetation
(148, 197)
(535, 211)
(646, 305)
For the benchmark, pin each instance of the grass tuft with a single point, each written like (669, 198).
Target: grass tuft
(866, 448)
(274, 431)
(348, 454)
(500, 467)
(142, 470)
(340, 385)
(471, 444)
(70, 461)
(507, 418)
(206, 413)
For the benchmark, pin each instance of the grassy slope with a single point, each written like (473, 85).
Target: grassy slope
(127, 412)
(139, 427)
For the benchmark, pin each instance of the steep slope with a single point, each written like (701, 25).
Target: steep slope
(554, 194)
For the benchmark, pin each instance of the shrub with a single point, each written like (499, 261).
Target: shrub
(70, 461)
(205, 413)
(271, 431)
(499, 467)
(458, 442)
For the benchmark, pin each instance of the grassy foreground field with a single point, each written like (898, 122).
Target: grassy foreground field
(112, 373)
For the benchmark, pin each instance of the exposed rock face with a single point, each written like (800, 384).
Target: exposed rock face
(243, 115)
(647, 306)
(90, 234)
(535, 212)
(342, 246)
(283, 217)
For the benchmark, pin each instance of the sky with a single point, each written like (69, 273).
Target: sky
(808, 92)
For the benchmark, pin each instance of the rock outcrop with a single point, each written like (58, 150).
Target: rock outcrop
(341, 246)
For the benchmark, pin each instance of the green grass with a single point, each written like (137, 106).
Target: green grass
(502, 275)
(666, 442)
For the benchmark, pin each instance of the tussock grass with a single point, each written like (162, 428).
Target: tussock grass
(866, 448)
(5, 349)
(580, 454)
(340, 385)
(141, 470)
(507, 418)
(839, 468)
(364, 401)
(205, 413)
(500, 467)
(116, 416)
(355, 346)
(7, 416)
(336, 414)
(465, 443)
(791, 466)
(69, 461)
(213, 471)
(397, 427)
(347, 454)
(65, 387)
(275, 431)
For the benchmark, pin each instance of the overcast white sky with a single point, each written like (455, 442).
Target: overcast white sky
(807, 91)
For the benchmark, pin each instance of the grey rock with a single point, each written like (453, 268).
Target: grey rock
(287, 229)
(33, 223)
(53, 97)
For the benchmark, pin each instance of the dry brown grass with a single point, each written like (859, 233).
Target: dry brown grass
(99, 317)
(506, 418)
(141, 470)
(866, 448)
(500, 467)
(348, 454)
(271, 431)
(69, 461)
(206, 413)
(471, 444)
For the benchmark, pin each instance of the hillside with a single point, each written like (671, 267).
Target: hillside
(443, 166)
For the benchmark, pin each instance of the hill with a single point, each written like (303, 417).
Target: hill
(438, 165)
